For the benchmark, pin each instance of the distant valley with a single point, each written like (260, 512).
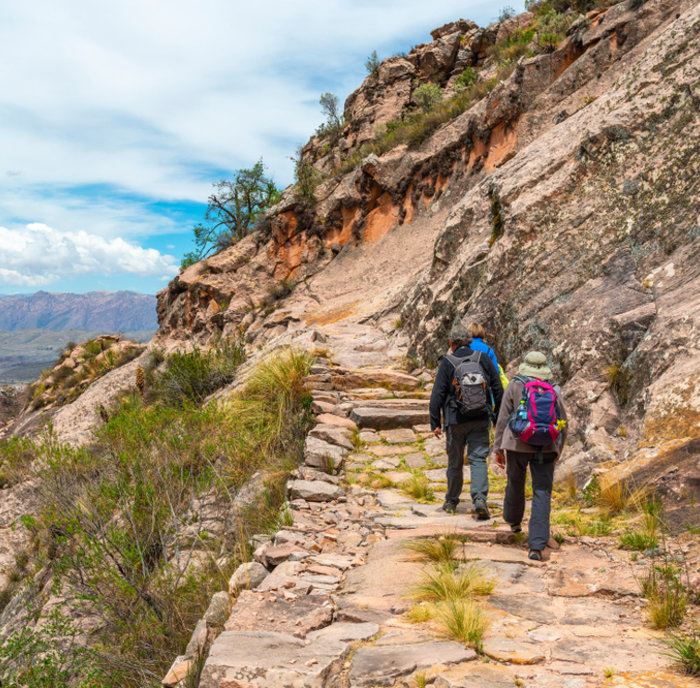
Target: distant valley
(35, 327)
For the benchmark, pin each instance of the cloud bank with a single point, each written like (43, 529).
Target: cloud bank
(38, 255)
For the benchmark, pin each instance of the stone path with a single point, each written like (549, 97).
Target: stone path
(327, 600)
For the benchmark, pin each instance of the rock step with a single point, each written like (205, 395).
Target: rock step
(387, 418)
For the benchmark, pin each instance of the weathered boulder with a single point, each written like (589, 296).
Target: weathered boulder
(248, 575)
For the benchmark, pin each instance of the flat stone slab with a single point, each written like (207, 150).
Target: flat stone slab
(387, 378)
(516, 578)
(398, 436)
(285, 612)
(385, 450)
(313, 490)
(338, 561)
(346, 632)
(370, 436)
(476, 675)
(415, 460)
(383, 665)
(545, 634)
(332, 419)
(286, 576)
(271, 660)
(384, 419)
(390, 499)
(514, 651)
(387, 464)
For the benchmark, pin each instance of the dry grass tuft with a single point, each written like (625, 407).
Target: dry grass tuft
(464, 620)
(440, 550)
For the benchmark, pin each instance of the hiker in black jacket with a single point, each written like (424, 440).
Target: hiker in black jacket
(471, 430)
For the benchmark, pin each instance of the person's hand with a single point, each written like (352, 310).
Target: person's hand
(500, 459)
(437, 432)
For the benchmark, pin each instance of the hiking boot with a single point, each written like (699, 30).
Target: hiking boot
(482, 511)
(516, 528)
(535, 555)
(449, 507)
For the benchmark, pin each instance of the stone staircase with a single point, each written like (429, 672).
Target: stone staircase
(325, 601)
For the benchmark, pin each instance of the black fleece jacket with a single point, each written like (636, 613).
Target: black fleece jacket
(442, 390)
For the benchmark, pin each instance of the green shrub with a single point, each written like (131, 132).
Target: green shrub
(427, 96)
(49, 656)
(466, 78)
(194, 375)
(512, 47)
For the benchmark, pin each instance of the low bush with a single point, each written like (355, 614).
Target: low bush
(126, 524)
(192, 376)
(415, 128)
(427, 96)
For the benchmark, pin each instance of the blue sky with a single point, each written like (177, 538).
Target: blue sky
(117, 118)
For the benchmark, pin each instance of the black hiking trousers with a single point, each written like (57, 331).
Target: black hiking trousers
(514, 503)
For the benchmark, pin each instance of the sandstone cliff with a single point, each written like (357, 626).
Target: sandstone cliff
(560, 209)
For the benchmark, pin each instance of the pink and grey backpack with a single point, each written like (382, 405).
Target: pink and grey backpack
(535, 421)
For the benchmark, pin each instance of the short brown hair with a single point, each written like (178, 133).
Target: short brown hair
(476, 330)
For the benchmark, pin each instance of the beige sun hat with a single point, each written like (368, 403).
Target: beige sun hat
(535, 365)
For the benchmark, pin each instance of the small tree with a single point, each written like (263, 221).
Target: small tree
(232, 211)
(334, 121)
(506, 13)
(372, 64)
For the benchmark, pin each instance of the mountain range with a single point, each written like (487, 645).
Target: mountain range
(105, 311)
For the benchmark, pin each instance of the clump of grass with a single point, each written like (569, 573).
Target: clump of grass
(666, 595)
(418, 487)
(377, 481)
(582, 524)
(464, 620)
(443, 583)
(684, 649)
(440, 550)
(420, 613)
(638, 540)
(616, 494)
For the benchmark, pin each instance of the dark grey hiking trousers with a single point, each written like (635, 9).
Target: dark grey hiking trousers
(514, 503)
(475, 436)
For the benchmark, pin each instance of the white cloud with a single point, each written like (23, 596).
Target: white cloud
(38, 255)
